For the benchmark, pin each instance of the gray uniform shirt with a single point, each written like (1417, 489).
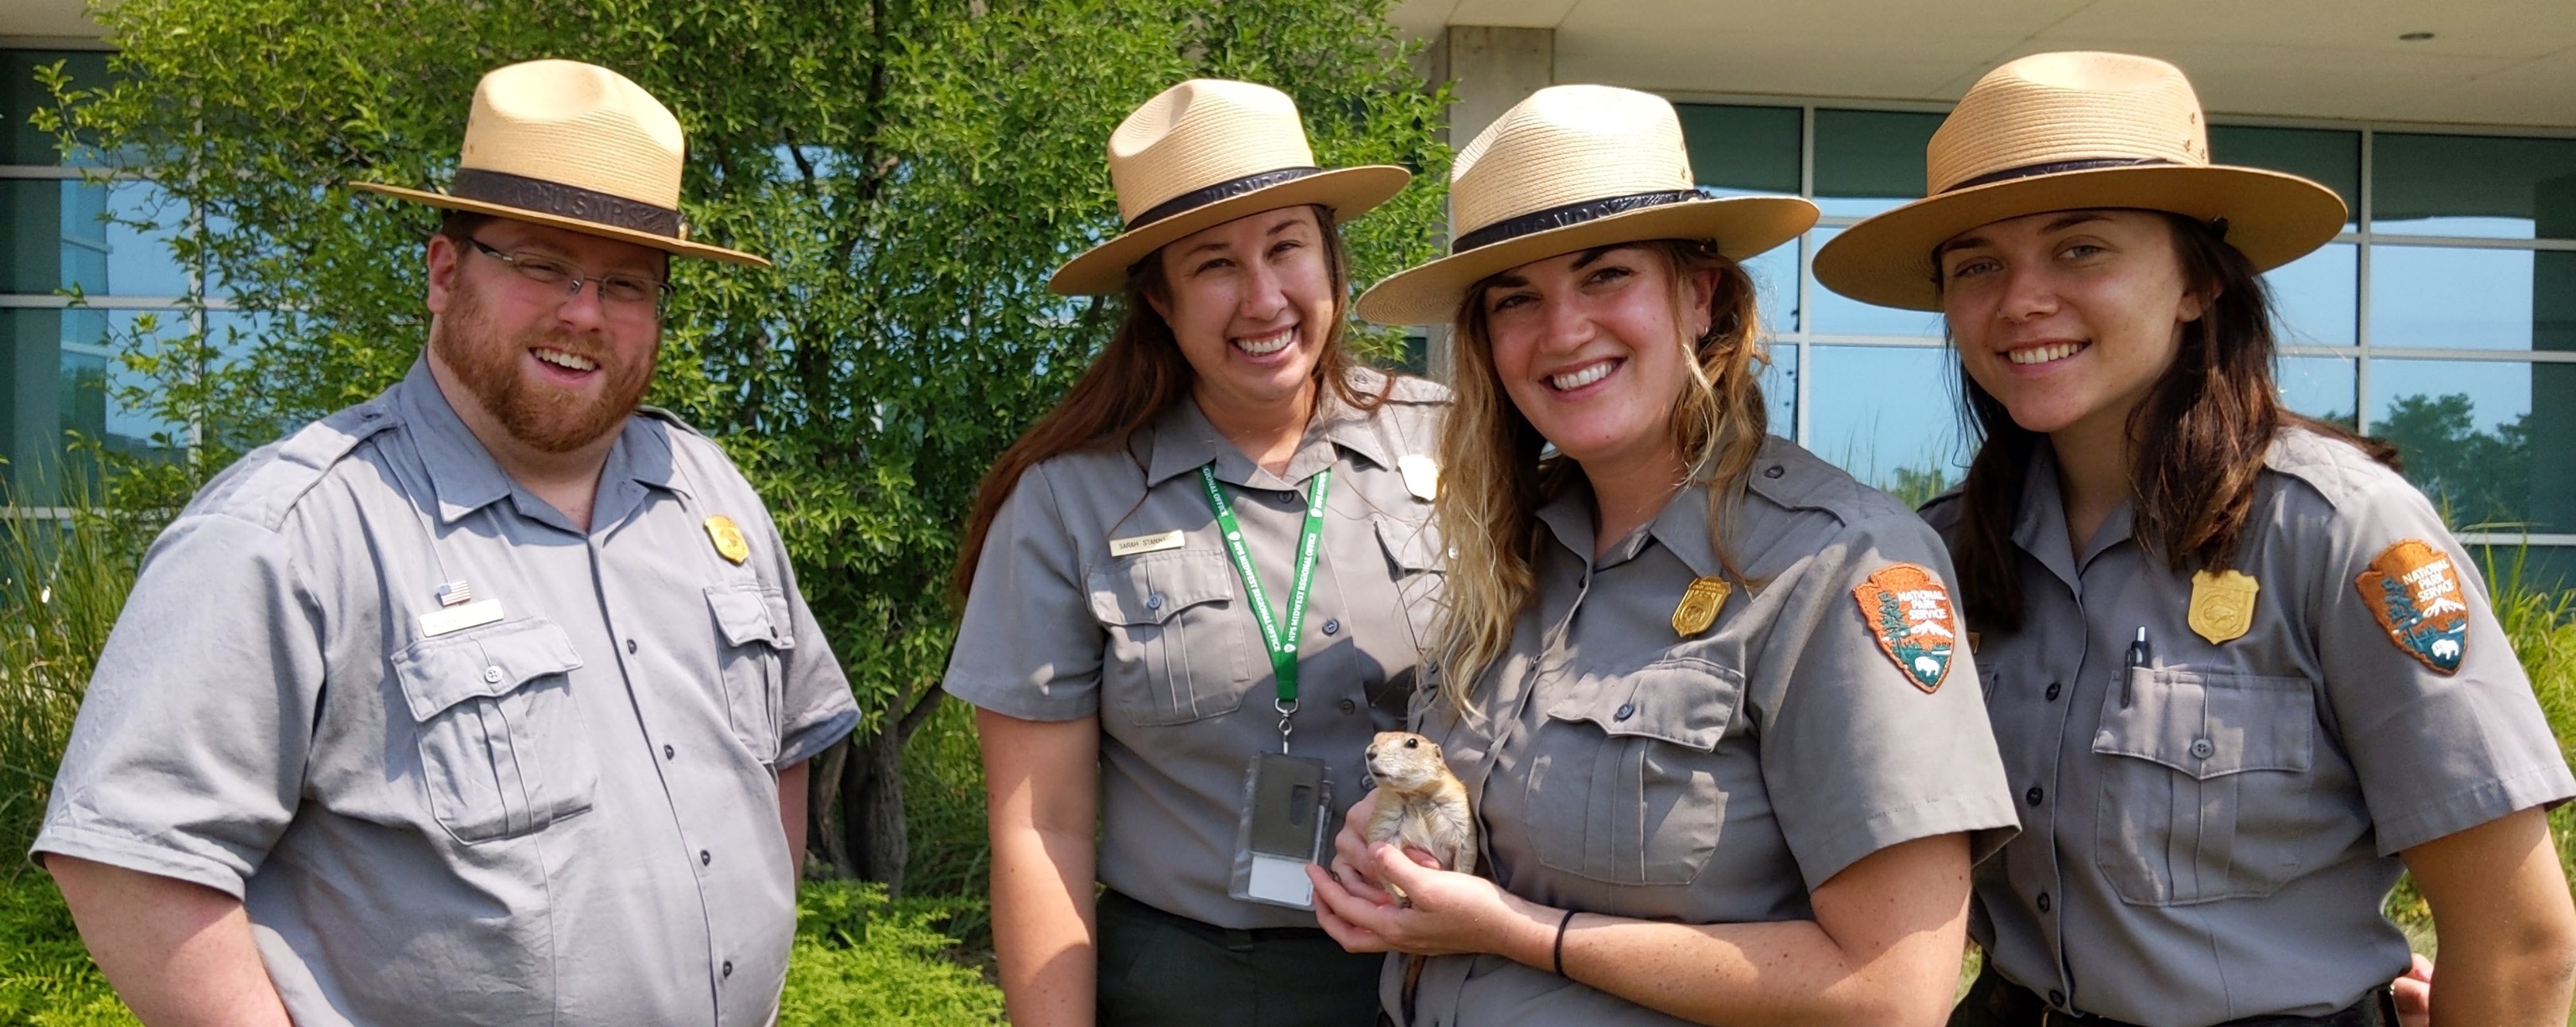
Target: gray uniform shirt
(1621, 765)
(567, 815)
(2210, 836)
(1162, 645)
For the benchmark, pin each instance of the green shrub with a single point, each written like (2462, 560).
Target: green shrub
(46, 978)
(863, 959)
(62, 581)
(944, 811)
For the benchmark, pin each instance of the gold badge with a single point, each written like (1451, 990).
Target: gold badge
(1699, 605)
(728, 538)
(2222, 604)
(1421, 475)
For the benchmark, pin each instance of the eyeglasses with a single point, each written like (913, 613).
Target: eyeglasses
(619, 291)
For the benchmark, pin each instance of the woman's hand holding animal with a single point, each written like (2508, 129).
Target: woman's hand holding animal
(1451, 913)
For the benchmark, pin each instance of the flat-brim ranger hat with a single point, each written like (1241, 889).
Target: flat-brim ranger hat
(1573, 168)
(572, 146)
(2069, 131)
(1205, 152)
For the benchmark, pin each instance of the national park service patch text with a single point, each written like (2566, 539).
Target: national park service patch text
(2415, 592)
(1909, 612)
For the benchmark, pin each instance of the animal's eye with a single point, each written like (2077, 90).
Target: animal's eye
(1413, 743)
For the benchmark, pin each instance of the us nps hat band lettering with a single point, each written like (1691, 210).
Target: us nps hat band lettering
(560, 200)
(1227, 190)
(1569, 214)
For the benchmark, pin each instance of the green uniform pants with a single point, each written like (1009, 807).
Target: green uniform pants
(1158, 969)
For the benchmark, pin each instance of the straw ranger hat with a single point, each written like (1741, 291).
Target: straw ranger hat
(1205, 152)
(1572, 168)
(2064, 131)
(572, 146)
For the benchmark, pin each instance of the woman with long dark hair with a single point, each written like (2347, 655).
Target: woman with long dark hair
(1703, 691)
(2241, 673)
(1215, 550)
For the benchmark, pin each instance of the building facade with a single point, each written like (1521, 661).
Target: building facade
(2444, 316)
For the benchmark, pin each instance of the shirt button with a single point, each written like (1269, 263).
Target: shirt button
(1332, 626)
(2201, 749)
(1348, 706)
(2034, 795)
(1774, 471)
(668, 752)
(2052, 691)
(705, 858)
(492, 675)
(630, 647)
(728, 968)
(1154, 602)
(2043, 902)
(1626, 710)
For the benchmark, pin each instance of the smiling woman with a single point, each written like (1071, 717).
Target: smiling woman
(1695, 676)
(2249, 671)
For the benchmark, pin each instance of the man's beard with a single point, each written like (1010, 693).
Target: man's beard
(539, 416)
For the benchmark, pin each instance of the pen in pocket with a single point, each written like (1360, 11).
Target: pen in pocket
(2137, 658)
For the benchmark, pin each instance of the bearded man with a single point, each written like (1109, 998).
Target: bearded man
(486, 701)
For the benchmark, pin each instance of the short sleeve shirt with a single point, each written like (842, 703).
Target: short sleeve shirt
(1104, 589)
(2209, 835)
(1629, 758)
(463, 763)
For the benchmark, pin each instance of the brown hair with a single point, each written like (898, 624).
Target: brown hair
(1140, 374)
(1493, 480)
(2191, 479)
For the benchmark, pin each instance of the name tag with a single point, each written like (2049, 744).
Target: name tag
(1144, 544)
(459, 618)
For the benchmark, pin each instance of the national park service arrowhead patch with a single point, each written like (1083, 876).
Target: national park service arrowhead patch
(1909, 612)
(2415, 592)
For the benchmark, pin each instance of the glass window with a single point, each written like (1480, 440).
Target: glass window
(2472, 298)
(1742, 149)
(2332, 159)
(2486, 186)
(2464, 429)
(2320, 387)
(65, 233)
(1775, 286)
(1780, 391)
(1869, 161)
(1838, 314)
(21, 95)
(1889, 415)
(2316, 296)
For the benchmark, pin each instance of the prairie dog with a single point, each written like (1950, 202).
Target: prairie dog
(1419, 802)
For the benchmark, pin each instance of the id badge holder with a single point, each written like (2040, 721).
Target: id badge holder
(1285, 804)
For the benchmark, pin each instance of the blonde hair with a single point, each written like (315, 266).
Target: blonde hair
(1493, 479)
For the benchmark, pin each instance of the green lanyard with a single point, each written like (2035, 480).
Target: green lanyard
(1280, 639)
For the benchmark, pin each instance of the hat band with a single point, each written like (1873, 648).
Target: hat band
(1569, 214)
(567, 201)
(2057, 167)
(1225, 190)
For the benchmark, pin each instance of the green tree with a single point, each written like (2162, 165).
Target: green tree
(915, 167)
(2478, 478)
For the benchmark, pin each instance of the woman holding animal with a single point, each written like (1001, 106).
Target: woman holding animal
(1704, 691)
(1221, 508)
(2242, 673)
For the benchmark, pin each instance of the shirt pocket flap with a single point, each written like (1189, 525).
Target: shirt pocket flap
(1413, 545)
(437, 673)
(1685, 700)
(2207, 724)
(1150, 589)
(750, 613)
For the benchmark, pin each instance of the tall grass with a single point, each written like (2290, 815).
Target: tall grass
(64, 573)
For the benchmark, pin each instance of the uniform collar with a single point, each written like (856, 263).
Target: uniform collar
(1184, 441)
(2041, 529)
(465, 476)
(1681, 527)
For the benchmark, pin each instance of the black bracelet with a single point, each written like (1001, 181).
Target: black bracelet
(1560, 941)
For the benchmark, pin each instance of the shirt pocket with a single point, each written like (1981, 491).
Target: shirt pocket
(1176, 642)
(2205, 784)
(757, 630)
(503, 751)
(1413, 556)
(1621, 783)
